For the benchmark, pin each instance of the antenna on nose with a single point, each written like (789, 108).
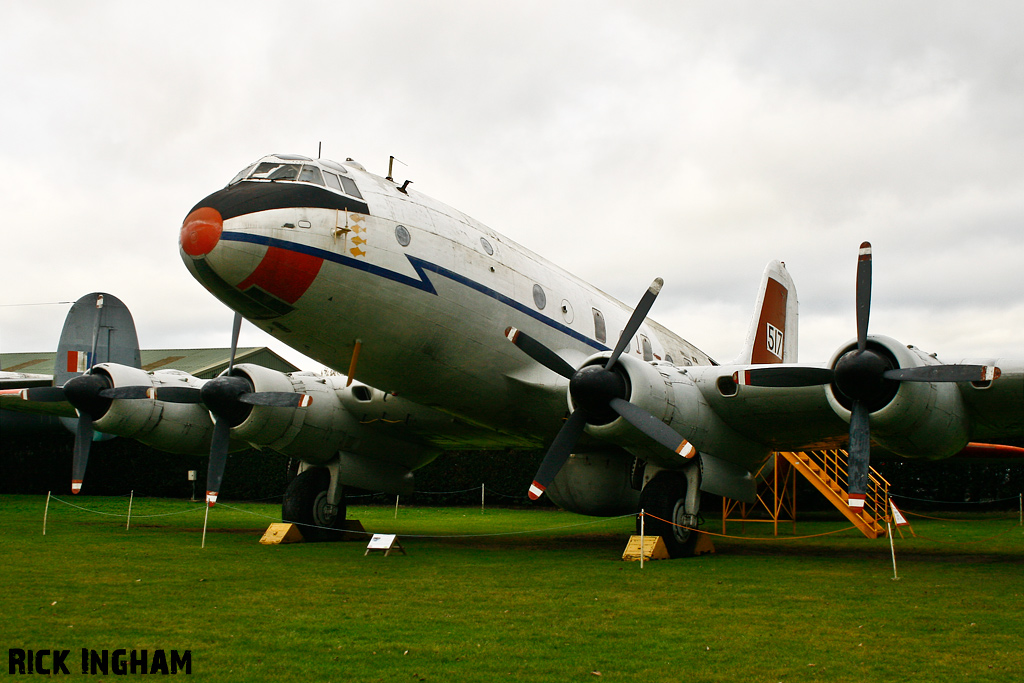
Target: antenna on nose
(319, 148)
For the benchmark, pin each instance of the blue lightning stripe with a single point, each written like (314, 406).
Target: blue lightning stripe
(423, 283)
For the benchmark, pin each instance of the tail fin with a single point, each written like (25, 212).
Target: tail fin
(772, 337)
(98, 329)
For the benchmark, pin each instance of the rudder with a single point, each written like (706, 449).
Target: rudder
(772, 336)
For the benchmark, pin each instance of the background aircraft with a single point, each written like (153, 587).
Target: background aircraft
(488, 342)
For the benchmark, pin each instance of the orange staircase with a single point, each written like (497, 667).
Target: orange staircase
(826, 470)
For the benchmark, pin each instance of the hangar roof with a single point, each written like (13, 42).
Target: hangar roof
(203, 363)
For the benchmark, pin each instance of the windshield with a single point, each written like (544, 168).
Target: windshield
(305, 173)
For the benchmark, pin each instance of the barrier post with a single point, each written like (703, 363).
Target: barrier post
(892, 548)
(46, 511)
(131, 497)
(1020, 499)
(396, 507)
(482, 499)
(641, 539)
(205, 518)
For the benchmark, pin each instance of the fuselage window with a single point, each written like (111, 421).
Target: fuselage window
(539, 297)
(332, 181)
(350, 187)
(311, 174)
(600, 331)
(648, 350)
(402, 235)
(487, 246)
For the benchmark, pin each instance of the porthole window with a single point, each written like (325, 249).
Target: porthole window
(539, 297)
(487, 246)
(402, 235)
(600, 331)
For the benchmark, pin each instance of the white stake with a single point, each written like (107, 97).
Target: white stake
(481, 499)
(46, 511)
(205, 517)
(396, 507)
(893, 549)
(641, 539)
(131, 496)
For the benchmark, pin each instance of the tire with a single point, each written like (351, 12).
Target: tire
(665, 497)
(304, 502)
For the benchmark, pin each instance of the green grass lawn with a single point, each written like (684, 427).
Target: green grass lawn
(467, 604)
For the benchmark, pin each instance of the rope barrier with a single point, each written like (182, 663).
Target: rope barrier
(979, 540)
(118, 514)
(947, 519)
(954, 502)
(369, 533)
(748, 538)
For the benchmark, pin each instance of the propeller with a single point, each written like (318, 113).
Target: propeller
(599, 394)
(90, 395)
(229, 399)
(864, 376)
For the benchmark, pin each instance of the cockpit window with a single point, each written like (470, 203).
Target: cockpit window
(305, 173)
(311, 174)
(350, 187)
(272, 170)
(242, 174)
(332, 181)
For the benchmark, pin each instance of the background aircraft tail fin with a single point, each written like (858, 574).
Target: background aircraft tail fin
(772, 336)
(99, 328)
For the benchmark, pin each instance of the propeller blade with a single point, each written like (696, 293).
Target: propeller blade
(44, 394)
(83, 440)
(784, 376)
(860, 455)
(653, 427)
(276, 399)
(218, 460)
(863, 294)
(236, 327)
(540, 353)
(130, 393)
(176, 394)
(558, 453)
(944, 373)
(635, 320)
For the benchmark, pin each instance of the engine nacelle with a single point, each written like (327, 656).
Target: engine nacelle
(668, 393)
(173, 427)
(915, 419)
(596, 484)
(313, 433)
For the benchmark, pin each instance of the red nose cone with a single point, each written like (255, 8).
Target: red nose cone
(201, 231)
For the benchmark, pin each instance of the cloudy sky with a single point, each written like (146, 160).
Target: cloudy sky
(689, 140)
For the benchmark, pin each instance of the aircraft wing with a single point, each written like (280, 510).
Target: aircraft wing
(790, 418)
(920, 419)
(11, 386)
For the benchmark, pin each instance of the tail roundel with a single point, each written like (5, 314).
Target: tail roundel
(772, 336)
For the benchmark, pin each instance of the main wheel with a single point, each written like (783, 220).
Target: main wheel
(305, 504)
(665, 497)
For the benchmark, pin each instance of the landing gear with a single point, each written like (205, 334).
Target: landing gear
(307, 503)
(665, 497)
